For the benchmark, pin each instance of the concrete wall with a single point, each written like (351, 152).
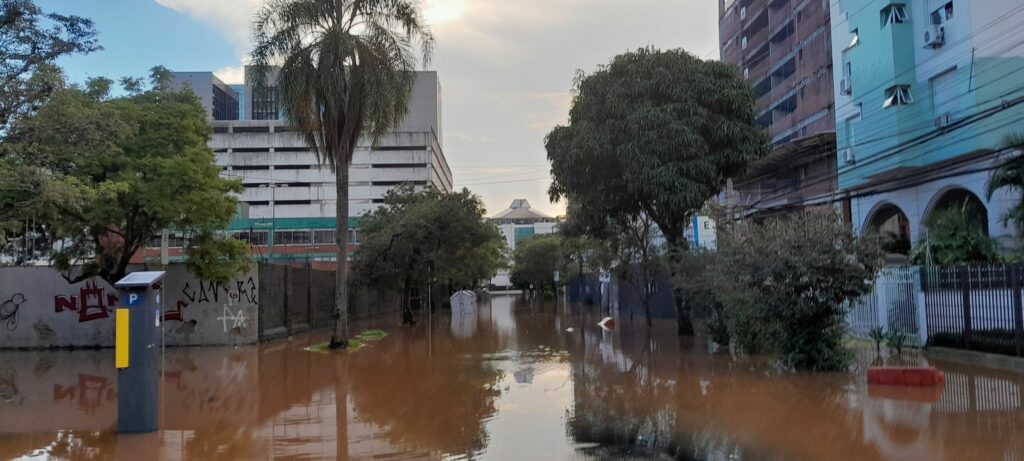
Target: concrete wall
(40, 309)
(198, 312)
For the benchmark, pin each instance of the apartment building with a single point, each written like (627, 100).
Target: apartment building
(928, 90)
(783, 49)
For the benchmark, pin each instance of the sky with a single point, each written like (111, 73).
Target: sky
(506, 66)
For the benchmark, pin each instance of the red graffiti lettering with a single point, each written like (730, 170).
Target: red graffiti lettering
(62, 303)
(91, 304)
(177, 313)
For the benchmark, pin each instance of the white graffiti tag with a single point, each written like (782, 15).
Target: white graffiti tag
(238, 320)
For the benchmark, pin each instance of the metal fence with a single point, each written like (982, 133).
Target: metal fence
(894, 304)
(967, 307)
(975, 307)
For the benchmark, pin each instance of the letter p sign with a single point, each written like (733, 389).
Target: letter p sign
(133, 299)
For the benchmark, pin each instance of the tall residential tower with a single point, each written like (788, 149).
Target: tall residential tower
(783, 49)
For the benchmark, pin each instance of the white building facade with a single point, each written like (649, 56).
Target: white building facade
(289, 193)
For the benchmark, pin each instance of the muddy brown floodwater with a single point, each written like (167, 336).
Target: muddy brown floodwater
(508, 383)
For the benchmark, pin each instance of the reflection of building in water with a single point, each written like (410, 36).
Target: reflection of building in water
(524, 375)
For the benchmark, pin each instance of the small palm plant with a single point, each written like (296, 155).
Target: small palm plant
(896, 340)
(877, 335)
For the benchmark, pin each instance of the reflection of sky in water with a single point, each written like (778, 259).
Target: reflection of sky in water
(530, 423)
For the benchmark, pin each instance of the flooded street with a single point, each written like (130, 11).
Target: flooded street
(509, 383)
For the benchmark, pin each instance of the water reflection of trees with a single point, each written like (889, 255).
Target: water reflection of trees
(431, 397)
(634, 392)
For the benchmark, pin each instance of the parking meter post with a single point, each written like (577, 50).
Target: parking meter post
(137, 351)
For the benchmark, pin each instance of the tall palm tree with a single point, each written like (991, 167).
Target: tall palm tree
(1010, 175)
(346, 71)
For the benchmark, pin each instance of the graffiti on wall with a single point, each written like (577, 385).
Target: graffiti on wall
(231, 293)
(91, 303)
(237, 319)
(9, 311)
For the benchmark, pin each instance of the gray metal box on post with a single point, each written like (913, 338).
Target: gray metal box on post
(137, 351)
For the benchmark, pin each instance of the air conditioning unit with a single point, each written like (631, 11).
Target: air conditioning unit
(845, 87)
(943, 120)
(848, 155)
(935, 37)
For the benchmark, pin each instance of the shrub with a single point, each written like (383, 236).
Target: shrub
(788, 283)
(956, 236)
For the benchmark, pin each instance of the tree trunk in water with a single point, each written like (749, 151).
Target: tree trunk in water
(683, 317)
(676, 248)
(407, 318)
(341, 411)
(340, 337)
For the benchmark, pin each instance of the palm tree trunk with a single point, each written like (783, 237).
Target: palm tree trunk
(340, 337)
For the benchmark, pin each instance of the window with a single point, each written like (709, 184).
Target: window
(299, 237)
(399, 165)
(849, 129)
(264, 103)
(743, 12)
(945, 97)
(743, 43)
(898, 95)
(251, 237)
(746, 72)
(252, 129)
(323, 237)
(894, 14)
(855, 38)
(398, 148)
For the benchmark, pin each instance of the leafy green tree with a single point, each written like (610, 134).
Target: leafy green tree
(535, 261)
(347, 71)
(956, 235)
(656, 134)
(424, 238)
(31, 41)
(104, 176)
(784, 285)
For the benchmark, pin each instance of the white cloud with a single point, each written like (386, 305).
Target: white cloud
(231, 17)
(231, 74)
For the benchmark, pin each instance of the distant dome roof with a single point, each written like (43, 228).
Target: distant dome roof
(520, 210)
